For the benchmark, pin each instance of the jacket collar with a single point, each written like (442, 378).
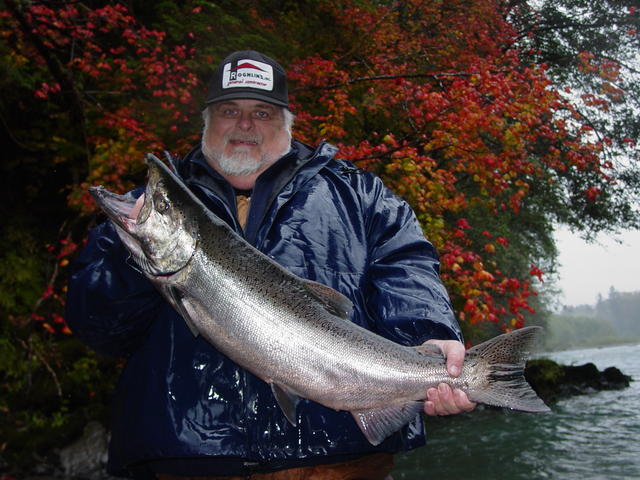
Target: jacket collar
(274, 186)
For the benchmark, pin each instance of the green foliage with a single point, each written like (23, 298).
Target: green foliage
(591, 50)
(51, 388)
(547, 371)
(620, 309)
(462, 127)
(21, 270)
(567, 332)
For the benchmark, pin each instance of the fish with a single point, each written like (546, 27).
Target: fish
(294, 333)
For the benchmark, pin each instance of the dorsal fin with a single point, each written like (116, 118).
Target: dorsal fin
(336, 303)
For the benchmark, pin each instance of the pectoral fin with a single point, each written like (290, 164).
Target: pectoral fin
(186, 311)
(287, 401)
(379, 424)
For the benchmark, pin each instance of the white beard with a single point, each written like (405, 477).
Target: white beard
(240, 163)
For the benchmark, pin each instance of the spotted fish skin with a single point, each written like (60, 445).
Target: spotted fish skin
(293, 333)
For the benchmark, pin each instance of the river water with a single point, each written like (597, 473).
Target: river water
(587, 437)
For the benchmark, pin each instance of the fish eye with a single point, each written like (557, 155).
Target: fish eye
(161, 204)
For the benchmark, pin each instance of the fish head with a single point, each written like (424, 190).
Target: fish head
(163, 236)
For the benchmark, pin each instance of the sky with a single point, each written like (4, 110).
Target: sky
(589, 269)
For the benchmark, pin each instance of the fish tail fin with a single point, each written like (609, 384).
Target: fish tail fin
(501, 362)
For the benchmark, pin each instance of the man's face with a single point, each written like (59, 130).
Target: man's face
(245, 136)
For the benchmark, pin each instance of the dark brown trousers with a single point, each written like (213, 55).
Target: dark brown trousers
(371, 467)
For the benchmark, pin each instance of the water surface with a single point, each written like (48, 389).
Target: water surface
(594, 436)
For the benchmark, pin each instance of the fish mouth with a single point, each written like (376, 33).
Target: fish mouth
(117, 207)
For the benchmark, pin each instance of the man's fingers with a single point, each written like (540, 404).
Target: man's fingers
(454, 352)
(444, 400)
(463, 402)
(447, 402)
(430, 408)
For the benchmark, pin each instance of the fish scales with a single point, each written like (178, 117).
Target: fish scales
(293, 333)
(262, 301)
(311, 346)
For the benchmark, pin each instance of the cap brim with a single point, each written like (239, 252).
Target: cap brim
(248, 95)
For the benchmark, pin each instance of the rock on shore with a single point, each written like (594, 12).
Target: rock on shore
(553, 381)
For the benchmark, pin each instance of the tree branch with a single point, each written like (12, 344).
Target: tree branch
(372, 78)
(30, 350)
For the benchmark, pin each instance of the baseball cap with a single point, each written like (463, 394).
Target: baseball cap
(249, 74)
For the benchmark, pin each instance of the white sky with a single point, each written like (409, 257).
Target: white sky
(587, 269)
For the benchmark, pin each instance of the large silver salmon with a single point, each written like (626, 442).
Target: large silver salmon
(293, 333)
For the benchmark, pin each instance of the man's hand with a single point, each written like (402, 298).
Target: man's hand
(444, 400)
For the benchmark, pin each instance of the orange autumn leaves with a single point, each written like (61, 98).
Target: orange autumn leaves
(432, 96)
(437, 101)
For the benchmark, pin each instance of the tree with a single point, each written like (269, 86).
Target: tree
(87, 90)
(456, 104)
(106, 89)
(457, 123)
(591, 51)
(621, 309)
(440, 100)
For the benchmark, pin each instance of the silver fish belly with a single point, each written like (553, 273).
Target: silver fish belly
(293, 333)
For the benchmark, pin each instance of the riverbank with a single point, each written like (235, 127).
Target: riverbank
(86, 457)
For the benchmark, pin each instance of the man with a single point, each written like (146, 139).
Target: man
(182, 409)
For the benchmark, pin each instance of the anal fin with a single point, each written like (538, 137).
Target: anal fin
(287, 401)
(379, 424)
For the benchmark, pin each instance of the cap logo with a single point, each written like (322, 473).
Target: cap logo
(249, 74)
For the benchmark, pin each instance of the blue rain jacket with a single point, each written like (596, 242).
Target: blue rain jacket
(181, 406)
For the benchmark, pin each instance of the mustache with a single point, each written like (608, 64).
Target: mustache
(243, 137)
